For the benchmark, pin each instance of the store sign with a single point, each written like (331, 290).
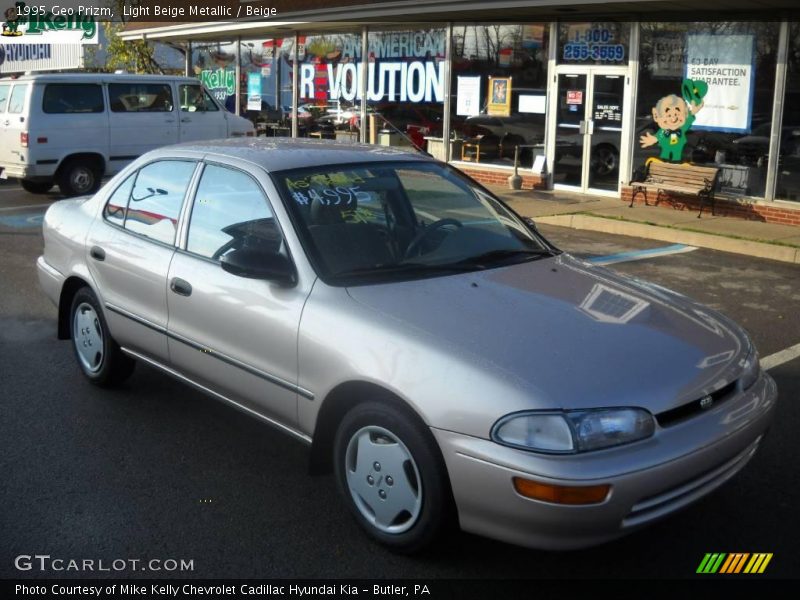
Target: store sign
(254, 91)
(17, 58)
(669, 57)
(221, 82)
(468, 96)
(595, 44)
(725, 63)
(414, 81)
(56, 24)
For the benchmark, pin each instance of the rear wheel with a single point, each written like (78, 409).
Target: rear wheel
(391, 476)
(98, 355)
(36, 187)
(78, 177)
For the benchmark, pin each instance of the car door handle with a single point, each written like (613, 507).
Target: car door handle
(97, 253)
(186, 120)
(180, 286)
(169, 120)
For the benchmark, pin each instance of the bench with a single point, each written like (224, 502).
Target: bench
(681, 178)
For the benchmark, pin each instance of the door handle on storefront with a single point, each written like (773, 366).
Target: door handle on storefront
(180, 286)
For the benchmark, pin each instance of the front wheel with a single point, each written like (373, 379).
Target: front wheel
(98, 355)
(391, 476)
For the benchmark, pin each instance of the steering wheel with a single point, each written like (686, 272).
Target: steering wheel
(415, 244)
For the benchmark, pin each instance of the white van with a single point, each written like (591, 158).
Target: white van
(73, 129)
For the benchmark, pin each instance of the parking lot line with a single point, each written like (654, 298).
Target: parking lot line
(779, 358)
(23, 207)
(621, 257)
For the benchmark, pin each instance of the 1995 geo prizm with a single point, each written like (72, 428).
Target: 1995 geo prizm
(440, 356)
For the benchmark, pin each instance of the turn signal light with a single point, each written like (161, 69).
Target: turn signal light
(561, 494)
(23, 139)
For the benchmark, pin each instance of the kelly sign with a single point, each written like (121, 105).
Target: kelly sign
(726, 64)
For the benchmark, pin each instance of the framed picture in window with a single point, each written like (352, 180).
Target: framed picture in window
(499, 96)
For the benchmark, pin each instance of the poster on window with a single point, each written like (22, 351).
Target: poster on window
(668, 55)
(499, 96)
(725, 63)
(254, 91)
(468, 96)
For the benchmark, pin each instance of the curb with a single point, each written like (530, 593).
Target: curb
(676, 236)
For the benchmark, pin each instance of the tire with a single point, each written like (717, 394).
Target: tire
(98, 355)
(79, 177)
(36, 187)
(605, 160)
(399, 493)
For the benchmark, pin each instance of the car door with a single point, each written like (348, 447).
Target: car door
(201, 118)
(235, 335)
(143, 117)
(129, 250)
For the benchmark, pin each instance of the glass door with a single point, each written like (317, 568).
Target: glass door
(589, 122)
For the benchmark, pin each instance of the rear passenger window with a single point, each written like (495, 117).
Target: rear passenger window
(4, 97)
(17, 102)
(66, 98)
(114, 212)
(140, 97)
(157, 197)
(230, 212)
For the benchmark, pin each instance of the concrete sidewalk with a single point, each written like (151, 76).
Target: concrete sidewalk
(664, 223)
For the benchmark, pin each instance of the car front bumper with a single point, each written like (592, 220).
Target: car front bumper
(649, 479)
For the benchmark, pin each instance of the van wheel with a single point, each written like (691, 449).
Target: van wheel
(78, 177)
(36, 187)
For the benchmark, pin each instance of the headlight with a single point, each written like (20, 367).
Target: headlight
(572, 431)
(751, 369)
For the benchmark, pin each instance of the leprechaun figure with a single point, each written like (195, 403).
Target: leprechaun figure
(674, 117)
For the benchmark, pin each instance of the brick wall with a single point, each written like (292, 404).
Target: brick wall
(500, 177)
(724, 207)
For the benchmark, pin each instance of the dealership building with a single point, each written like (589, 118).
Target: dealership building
(580, 95)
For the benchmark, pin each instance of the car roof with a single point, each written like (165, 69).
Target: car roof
(97, 77)
(280, 154)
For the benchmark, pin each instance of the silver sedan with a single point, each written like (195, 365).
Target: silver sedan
(438, 355)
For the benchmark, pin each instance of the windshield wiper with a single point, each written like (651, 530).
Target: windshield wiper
(409, 268)
(504, 253)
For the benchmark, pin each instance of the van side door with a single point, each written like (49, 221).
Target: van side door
(200, 117)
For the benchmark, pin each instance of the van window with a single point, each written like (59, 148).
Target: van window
(61, 98)
(4, 96)
(140, 97)
(157, 197)
(17, 102)
(195, 99)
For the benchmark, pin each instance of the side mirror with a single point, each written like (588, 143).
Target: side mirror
(530, 223)
(255, 264)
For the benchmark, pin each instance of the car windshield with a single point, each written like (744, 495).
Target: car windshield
(390, 221)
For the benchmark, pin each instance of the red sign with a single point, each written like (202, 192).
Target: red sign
(574, 96)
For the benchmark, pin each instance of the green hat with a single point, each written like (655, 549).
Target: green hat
(694, 90)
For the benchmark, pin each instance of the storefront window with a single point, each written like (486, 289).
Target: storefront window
(266, 84)
(600, 43)
(788, 182)
(330, 98)
(706, 97)
(215, 65)
(405, 86)
(499, 90)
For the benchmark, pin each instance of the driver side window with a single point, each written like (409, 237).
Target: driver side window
(230, 212)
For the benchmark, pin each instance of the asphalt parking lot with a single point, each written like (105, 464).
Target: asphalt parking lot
(157, 470)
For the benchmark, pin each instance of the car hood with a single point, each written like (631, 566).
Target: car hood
(572, 335)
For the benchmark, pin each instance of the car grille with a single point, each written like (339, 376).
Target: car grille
(685, 411)
(654, 507)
